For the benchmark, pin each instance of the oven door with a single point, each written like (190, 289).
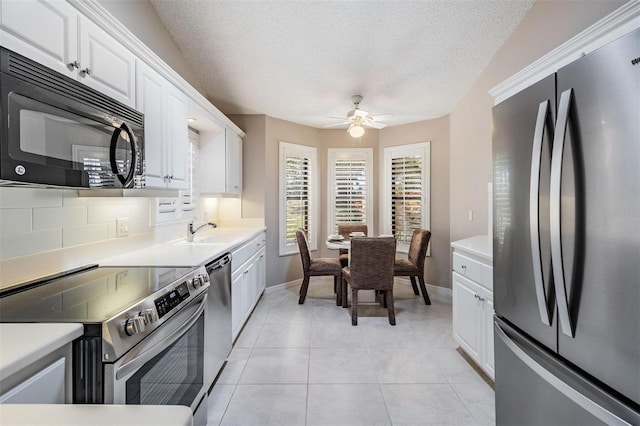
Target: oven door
(166, 368)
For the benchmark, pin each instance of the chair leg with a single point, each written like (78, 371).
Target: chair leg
(354, 306)
(337, 289)
(414, 285)
(425, 295)
(388, 296)
(335, 284)
(303, 289)
(345, 287)
(382, 295)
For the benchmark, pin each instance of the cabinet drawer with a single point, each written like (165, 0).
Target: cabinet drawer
(474, 270)
(244, 253)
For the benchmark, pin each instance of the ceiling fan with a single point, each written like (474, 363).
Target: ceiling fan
(358, 119)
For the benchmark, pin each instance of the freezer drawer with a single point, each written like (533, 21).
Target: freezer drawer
(533, 387)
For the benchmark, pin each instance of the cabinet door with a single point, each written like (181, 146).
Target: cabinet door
(234, 162)
(488, 363)
(54, 44)
(44, 387)
(177, 138)
(467, 310)
(105, 64)
(237, 300)
(262, 272)
(149, 100)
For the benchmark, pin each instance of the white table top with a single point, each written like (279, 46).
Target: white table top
(24, 344)
(95, 415)
(336, 245)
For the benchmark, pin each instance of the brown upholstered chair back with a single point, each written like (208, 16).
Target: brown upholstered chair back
(418, 247)
(372, 262)
(303, 247)
(347, 229)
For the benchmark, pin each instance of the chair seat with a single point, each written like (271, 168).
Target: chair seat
(325, 264)
(404, 265)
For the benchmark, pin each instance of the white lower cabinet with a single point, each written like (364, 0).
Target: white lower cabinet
(472, 285)
(248, 281)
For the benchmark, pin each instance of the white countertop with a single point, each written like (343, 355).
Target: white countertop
(95, 415)
(23, 344)
(207, 246)
(480, 245)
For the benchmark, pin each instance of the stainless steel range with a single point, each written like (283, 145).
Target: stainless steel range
(143, 339)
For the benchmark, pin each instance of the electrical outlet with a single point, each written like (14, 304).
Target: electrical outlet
(470, 216)
(122, 227)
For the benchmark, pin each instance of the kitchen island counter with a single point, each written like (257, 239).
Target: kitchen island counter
(23, 344)
(95, 415)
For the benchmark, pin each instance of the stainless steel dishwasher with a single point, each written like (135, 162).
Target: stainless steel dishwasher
(218, 341)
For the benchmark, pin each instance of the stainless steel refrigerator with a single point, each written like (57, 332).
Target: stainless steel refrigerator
(566, 244)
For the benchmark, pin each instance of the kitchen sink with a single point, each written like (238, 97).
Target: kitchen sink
(219, 239)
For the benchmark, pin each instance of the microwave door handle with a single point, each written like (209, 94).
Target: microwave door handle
(143, 355)
(555, 213)
(543, 121)
(125, 181)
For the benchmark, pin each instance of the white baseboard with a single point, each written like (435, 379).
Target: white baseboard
(283, 285)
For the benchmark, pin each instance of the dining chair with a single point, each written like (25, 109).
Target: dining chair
(371, 268)
(317, 267)
(413, 266)
(346, 230)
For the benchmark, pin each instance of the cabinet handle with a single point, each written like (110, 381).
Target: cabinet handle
(74, 64)
(86, 71)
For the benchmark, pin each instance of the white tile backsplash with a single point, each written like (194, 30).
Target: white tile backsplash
(38, 220)
(76, 235)
(14, 245)
(29, 197)
(58, 217)
(15, 221)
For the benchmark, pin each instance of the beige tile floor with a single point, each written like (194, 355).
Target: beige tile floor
(307, 365)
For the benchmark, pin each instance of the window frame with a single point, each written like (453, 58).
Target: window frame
(287, 149)
(334, 154)
(422, 149)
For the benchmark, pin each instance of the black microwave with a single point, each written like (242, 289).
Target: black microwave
(59, 132)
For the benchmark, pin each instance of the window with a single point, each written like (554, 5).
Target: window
(298, 196)
(349, 187)
(406, 191)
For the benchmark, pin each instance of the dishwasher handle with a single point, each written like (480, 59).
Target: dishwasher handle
(218, 263)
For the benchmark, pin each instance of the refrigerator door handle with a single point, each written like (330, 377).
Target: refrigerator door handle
(543, 121)
(555, 213)
(592, 407)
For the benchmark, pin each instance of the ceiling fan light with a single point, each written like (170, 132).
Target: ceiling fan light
(356, 131)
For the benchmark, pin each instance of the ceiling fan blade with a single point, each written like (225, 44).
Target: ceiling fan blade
(375, 125)
(378, 117)
(338, 124)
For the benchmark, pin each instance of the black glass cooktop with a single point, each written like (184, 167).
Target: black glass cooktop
(89, 296)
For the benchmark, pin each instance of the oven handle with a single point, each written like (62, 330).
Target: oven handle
(146, 354)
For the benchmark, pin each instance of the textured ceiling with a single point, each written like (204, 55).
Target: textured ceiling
(302, 61)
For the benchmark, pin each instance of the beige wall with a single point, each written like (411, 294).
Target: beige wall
(547, 25)
(142, 20)
(437, 266)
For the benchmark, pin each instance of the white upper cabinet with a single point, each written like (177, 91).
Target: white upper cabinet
(220, 163)
(53, 33)
(166, 138)
(105, 64)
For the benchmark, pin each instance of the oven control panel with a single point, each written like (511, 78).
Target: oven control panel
(172, 299)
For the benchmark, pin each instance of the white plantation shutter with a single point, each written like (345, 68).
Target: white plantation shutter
(298, 203)
(406, 191)
(406, 196)
(349, 187)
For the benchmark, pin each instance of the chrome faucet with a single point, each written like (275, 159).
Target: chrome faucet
(191, 232)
